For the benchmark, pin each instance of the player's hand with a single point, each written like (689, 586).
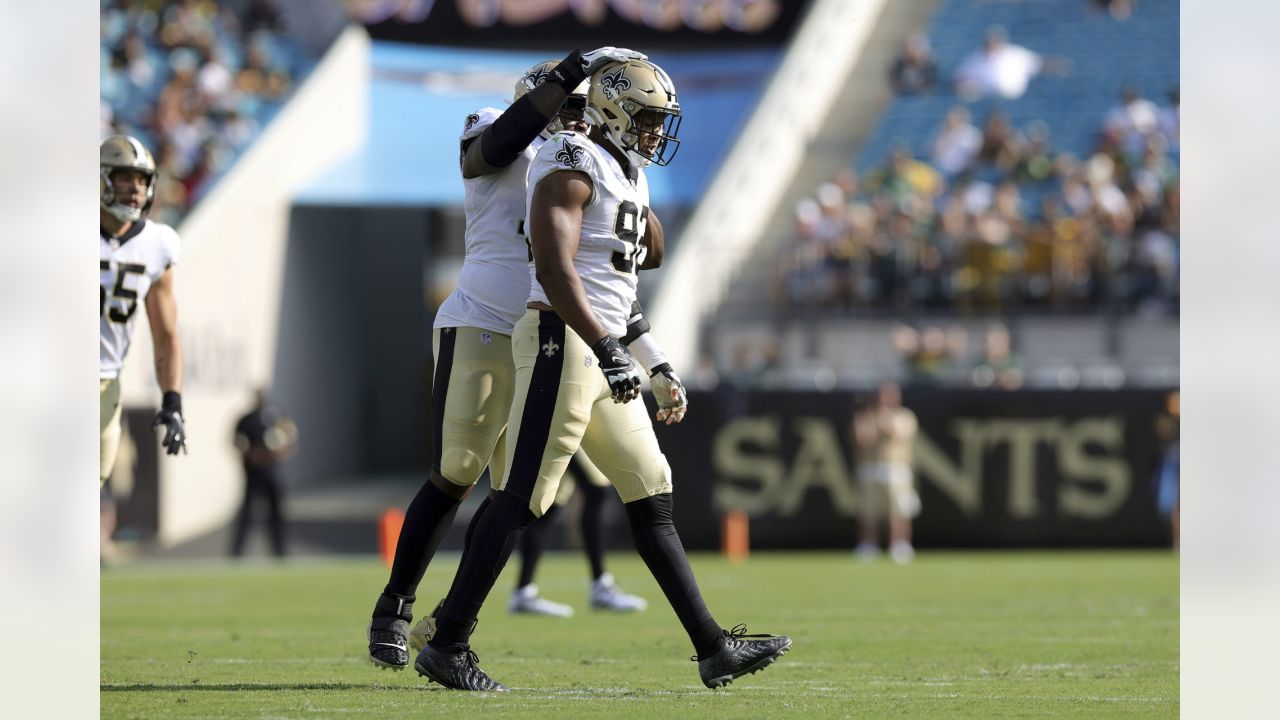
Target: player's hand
(594, 60)
(170, 417)
(673, 402)
(618, 368)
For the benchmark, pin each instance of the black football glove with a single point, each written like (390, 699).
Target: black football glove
(669, 392)
(170, 416)
(619, 370)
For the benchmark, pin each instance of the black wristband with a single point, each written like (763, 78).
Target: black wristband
(570, 73)
(610, 352)
(660, 368)
(171, 401)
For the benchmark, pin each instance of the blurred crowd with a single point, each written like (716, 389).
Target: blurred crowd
(994, 217)
(194, 80)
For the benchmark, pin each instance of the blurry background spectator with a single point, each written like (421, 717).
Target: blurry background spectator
(1169, 472)
(1000, 68)
(265, 438)
(884, 434)
(914, 71)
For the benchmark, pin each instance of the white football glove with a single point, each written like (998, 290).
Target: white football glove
(669, 392)
(594, 60)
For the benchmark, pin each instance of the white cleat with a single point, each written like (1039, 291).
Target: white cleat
(902, 552)
(606, 595)
(527, 601)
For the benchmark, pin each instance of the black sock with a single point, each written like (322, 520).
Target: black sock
(532, 544)
(426, 522)
(593, 507)
(659, 544)
(475, 519)
(494, 536)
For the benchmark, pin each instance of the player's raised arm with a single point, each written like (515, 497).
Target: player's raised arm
(162, 315)
(531, 113)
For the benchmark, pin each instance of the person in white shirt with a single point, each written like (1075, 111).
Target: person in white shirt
(1000, 68)
(956, 144)
(136, 258)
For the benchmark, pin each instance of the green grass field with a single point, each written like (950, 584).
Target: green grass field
(980, 635)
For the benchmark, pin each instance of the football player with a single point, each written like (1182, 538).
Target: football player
(136, 259)
(576, 384)
(474, 372)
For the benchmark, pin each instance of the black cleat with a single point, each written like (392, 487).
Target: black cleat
(457, 671)
(389, 631)
(736, 655)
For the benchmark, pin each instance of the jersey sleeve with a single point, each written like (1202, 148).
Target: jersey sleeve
(564, 151)
(477, 122)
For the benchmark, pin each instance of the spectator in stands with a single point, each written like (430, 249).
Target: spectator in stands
(1036, 162)
(957, 143)
(1119, 9)
(1169, 120)
(904, 177)
(1133, 121)
(884, 434)
(1001, 147)
(805, 284)
(1000, 68)
(998, 367)
(833, 233)
(914, 71)
(928, 355)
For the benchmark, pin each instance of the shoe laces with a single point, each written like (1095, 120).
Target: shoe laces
(736, 636)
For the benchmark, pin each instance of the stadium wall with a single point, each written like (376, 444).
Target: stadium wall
(229, 286)
(993, 469)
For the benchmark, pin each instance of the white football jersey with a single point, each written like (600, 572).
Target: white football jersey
(494, 283)
(613, 221)
(129, 264)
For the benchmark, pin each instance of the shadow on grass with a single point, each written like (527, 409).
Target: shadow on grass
(245, 687)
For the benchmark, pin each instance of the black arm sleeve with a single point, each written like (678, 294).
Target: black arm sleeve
(636, 324)
(512, 132)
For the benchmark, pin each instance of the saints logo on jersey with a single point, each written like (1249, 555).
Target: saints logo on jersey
(472, 119)
(570, 155)
(615, 82)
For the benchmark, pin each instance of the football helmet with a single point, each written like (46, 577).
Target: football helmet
(538, 74)
(635, 103)
(118, 152)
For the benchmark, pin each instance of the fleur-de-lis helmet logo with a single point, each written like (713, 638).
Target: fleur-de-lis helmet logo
(611, 84)
(472, 119)
(536, 77)
(570, 155)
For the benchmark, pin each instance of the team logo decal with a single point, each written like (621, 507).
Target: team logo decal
(472, 119)
(586, 361)
(570, 155)
(536, 78)
(614, 83)
(550, 348)
(486, 338)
